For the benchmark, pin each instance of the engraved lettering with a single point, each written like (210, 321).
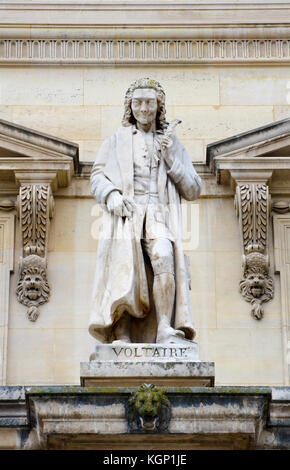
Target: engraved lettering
(173, 352)
(136, 353)
(128, 352)
(161, 352)
(147, 350)
(183, 352)
(156, 353)
(116, 352)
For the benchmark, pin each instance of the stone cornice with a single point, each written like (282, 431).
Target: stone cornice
(161, 50)
(263, 148)
(141, 12)
(33, 137)
(134, 32)
(29, 152)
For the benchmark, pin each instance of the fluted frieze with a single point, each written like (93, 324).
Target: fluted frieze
(133, 51)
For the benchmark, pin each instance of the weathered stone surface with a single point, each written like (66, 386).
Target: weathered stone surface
(146, 352)
(12, 409)
(166, 372)
(57, 100)
(96, 418)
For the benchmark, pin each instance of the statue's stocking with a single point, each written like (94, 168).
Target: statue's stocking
(164, 294)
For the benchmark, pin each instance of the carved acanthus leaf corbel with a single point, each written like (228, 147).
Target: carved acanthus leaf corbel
(35, 208)
(252, 203)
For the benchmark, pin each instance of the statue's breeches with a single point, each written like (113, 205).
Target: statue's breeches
(160, 252)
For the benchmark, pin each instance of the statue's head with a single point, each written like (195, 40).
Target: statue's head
(144, 103)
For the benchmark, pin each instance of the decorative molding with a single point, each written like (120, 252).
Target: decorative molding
(35, 205)
(38, 164)
(281, 207)
(134, 51)
(7, 204)
(143, 13)
(252, 203)
(7, 228)
(141, 32)
(31, 156)
(247, 162)
(35, 208)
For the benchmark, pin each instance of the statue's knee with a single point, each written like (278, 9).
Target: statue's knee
(163, 265)
(161, 248)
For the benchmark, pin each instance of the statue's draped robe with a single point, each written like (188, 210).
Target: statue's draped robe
(121, 283)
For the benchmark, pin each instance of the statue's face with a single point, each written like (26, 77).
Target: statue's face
(144, 105)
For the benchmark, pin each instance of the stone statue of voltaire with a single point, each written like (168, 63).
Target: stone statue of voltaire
(141, 288)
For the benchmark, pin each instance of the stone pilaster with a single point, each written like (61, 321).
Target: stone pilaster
(7, 222)
(281, 226)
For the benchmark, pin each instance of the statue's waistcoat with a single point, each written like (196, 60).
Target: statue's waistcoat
(153, 215)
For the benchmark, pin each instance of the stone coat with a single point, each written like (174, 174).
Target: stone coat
(121, 283)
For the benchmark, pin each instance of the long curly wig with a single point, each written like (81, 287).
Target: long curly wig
(128, 118)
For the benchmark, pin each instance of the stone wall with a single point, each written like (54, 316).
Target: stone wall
(226, 332)
(83, 103)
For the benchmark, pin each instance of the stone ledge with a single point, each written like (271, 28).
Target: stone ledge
(222, 417)
(162, 373)
(96, 418)
(12, 407)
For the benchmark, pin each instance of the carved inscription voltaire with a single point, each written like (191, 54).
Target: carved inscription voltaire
(35, 208)
(253, 206)
(150, 352)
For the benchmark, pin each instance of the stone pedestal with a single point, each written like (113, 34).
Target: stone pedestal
(172, 365)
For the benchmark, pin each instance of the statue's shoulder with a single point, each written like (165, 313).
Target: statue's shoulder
(109, 141)
(122, 130)
(125, 130)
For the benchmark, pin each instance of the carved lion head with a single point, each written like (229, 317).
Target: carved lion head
(32, 289)
(147, 404)
(256, 282)
(257, 287)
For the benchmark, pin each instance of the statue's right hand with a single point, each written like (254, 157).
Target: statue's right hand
(119, 205)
